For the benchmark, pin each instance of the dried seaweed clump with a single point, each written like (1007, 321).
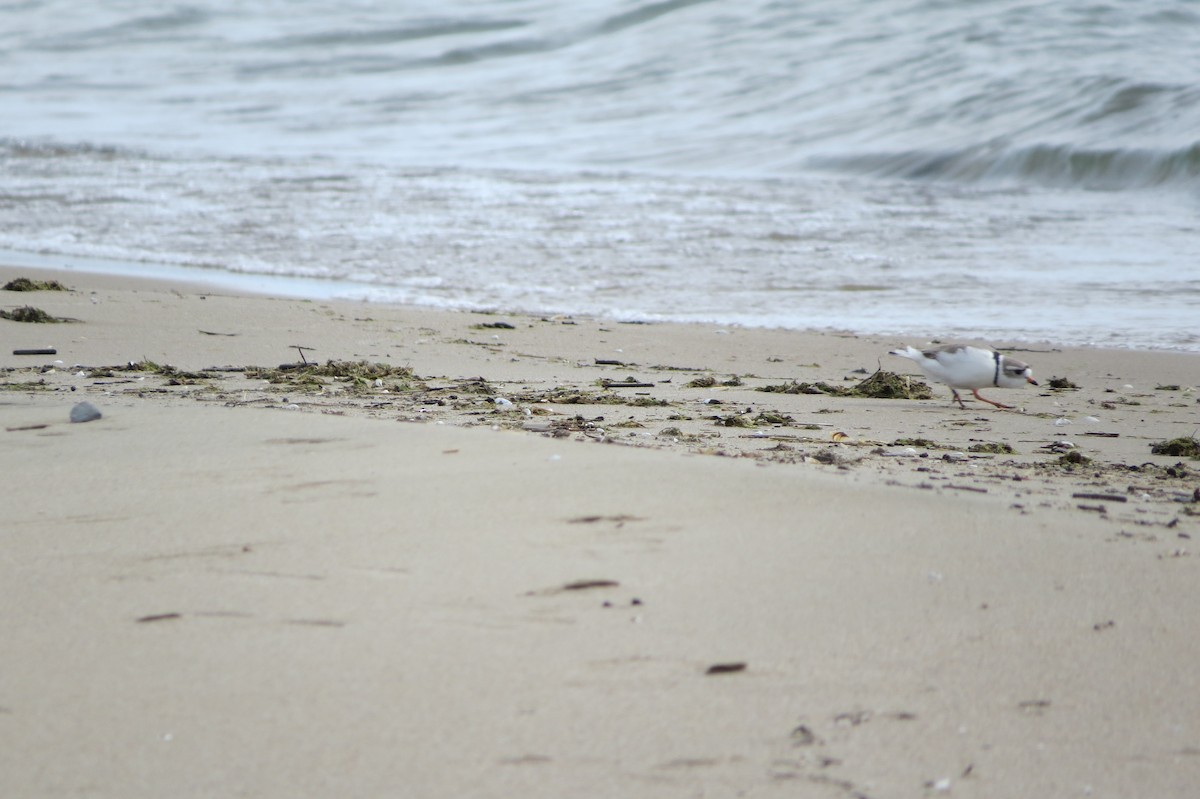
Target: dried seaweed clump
(1062, 384)
(647, 402)
(923, 443)
(29, 314)
(360, 373)
(175, 377)
(889, 385)
(881, 385)
(31, 385)
(143, 365)
(358, 369)
(735, 420)
(708, 381)
(746, 420)
(998, 448)
(25, 284)
(562, 395)
(1074, 458)
(1177, 447)
(802, 388)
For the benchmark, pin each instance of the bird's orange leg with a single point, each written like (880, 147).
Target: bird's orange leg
(975, 391)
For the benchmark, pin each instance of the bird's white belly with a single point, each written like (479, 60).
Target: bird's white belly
(963, 370)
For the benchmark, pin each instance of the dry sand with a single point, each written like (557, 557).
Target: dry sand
(334, 586)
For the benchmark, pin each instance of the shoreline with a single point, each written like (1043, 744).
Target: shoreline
(380, 578)
(220, 281)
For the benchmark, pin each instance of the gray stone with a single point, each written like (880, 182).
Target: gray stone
(85, 412)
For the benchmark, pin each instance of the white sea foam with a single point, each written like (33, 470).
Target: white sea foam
(894, 166)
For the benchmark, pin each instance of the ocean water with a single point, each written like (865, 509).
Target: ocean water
(1003, 170)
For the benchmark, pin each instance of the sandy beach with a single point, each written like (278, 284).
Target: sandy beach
(497, 555)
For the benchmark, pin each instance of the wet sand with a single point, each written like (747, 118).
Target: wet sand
(247, 579)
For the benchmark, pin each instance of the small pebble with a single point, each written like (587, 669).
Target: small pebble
(84, 412)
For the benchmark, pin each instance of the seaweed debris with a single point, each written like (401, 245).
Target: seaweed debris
(563, 395)
(144, 365)
(28, 313)
(880, 385)
(923, 443)
(889, 385)
(358, 370)
(1074, 458)
(342, 369)
(708, 381)
(1178, 447)
(362, 374)
(768, 419)
(647, 402)
(25, 284)
(175, 377)
(30, 385)
(998, 448)
(1062, 384)
(803, 388)
(734, 420)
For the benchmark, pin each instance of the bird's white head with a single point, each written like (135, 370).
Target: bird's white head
(1014, 373)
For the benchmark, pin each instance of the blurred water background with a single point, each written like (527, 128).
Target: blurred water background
(1007, 170)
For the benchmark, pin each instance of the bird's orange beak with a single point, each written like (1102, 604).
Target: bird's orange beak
(1031, 380)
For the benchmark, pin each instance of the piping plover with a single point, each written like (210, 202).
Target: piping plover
(960, 366)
